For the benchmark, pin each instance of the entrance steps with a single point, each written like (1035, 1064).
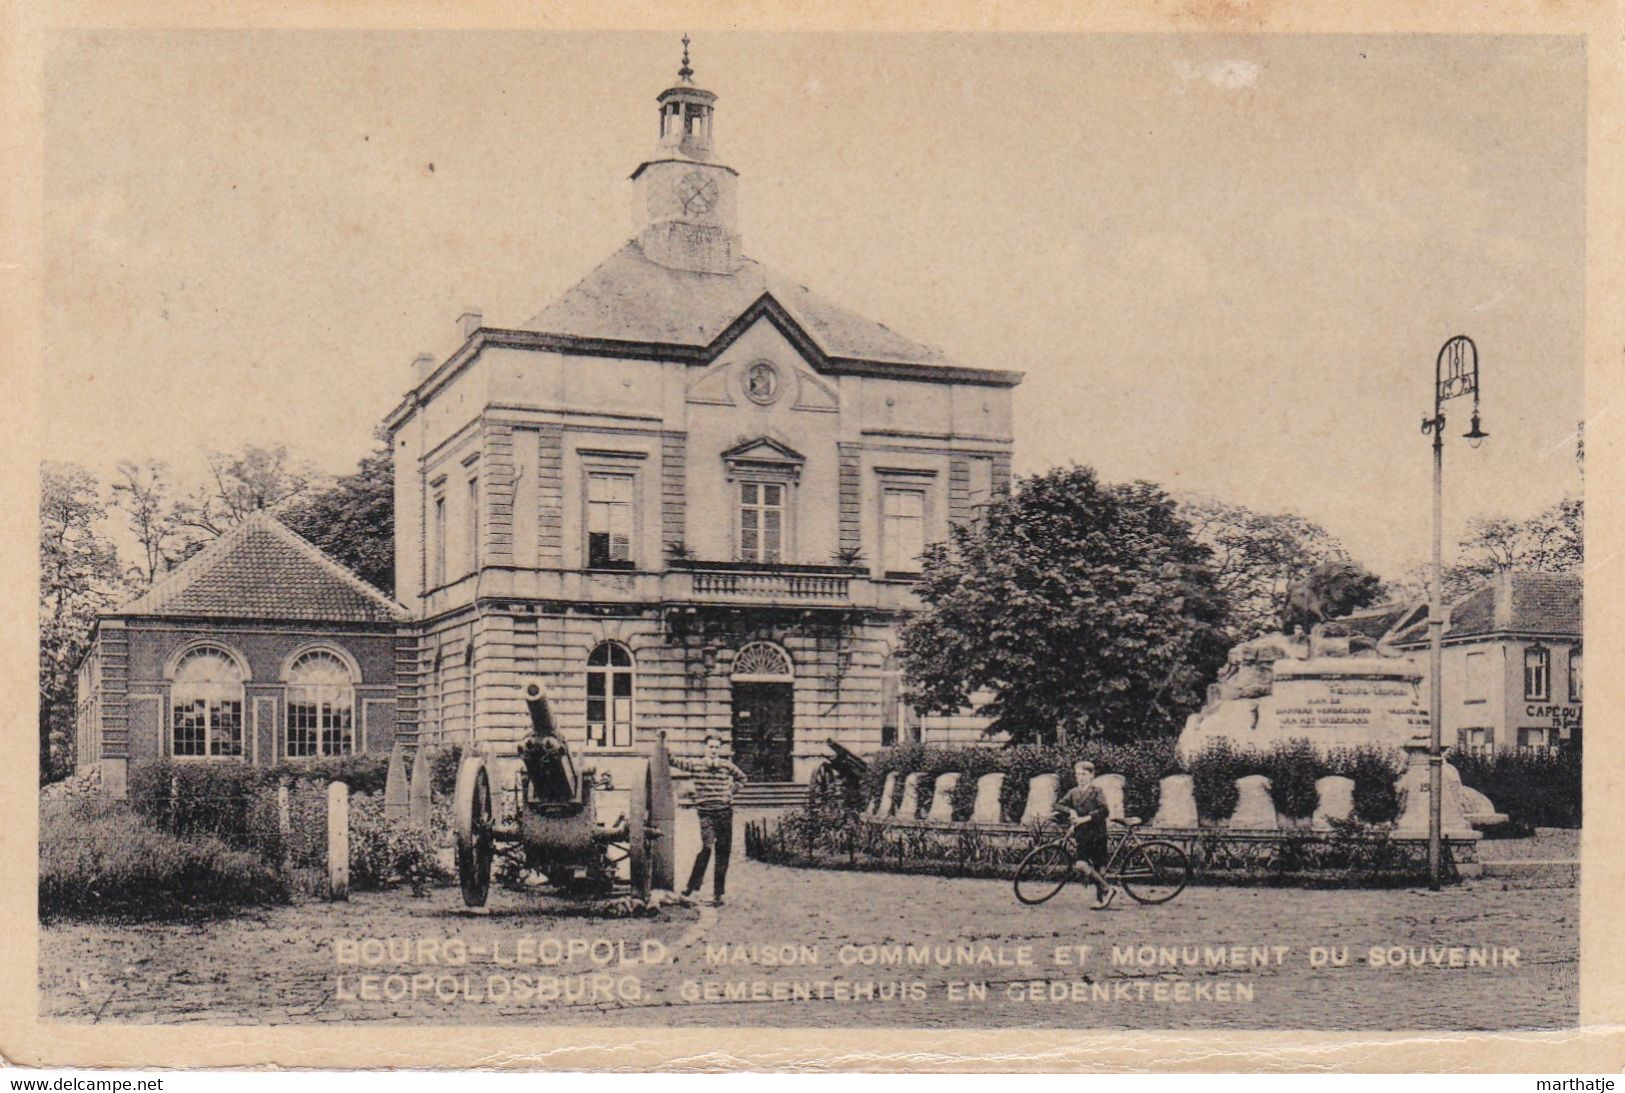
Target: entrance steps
(770, 795)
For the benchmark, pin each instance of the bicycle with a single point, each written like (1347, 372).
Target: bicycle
(1151, 871)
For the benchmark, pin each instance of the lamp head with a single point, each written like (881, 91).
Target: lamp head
(1475, 436)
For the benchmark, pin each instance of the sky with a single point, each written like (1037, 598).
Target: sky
(1225, 264)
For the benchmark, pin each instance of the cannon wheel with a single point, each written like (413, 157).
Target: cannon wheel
(652, 826)
(827, 785)
(476, 840)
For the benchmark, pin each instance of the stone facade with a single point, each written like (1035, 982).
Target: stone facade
(689, 457)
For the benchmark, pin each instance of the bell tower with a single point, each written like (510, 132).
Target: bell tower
(685, 208)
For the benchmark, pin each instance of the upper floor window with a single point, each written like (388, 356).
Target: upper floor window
(1478, 677)
(609, 519)
(1574, 676)
(321, 706)
(1537, 672)
(902, 532)
(437, 560)
(473, 524)
(206, 701)
(609, 696)
(761, 521)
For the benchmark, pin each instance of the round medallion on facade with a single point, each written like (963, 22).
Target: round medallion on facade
(762, 382)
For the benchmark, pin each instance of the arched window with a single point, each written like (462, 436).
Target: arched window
(321, 706)
(206, 700)
(609, 696)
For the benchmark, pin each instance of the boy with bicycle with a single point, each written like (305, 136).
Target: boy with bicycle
(1084, 807)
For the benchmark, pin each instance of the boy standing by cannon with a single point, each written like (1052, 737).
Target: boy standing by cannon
(714, 782)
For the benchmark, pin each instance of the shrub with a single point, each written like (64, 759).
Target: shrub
(99, 858)
(1213, 780)
(1374, 772)
(1532, 788)
(1292, 768)
(443, 763)
(362, 773)
(189, 799)
(384, 853)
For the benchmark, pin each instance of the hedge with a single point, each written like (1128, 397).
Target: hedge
(99, 859)
(1534, 789)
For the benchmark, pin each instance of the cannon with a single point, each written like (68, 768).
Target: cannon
(839, 778)
(552, 824)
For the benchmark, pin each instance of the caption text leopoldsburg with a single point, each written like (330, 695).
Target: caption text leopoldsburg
(575, 971)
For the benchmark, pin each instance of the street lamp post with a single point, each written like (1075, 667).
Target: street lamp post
(1455, 373)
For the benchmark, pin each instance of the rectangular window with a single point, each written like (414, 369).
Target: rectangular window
(437, 561)
(761, 522)
(1535, 739)
(609, 519)
(1574, 676)
(318, 725)
(473, 525)
(207, 727)
(903, 529)
(1478, 677)
(1537, 673)
(1475, 741)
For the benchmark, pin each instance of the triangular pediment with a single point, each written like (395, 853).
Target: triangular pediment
(764, 449)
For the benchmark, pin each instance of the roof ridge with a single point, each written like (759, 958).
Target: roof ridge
(338, 568)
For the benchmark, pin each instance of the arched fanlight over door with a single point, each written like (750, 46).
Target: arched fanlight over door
(762, 660)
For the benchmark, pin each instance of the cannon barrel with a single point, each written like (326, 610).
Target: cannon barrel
(848, 762)
(542, 722)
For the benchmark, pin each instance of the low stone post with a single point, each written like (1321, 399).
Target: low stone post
(338, 840)
(988, 810)
(284, 822)
(421, 793)
(883, 802)
(942, 797)
(1177, 805)
(395, 805)
(1336, 801)
(909, 807)
(1111, 788)
(1041, 793)
(1255, 811)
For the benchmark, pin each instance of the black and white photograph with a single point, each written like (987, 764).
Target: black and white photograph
(721, 530)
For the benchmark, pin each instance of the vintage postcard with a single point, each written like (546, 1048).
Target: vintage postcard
(753, 539)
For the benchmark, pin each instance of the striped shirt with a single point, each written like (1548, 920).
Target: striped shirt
(713, 789)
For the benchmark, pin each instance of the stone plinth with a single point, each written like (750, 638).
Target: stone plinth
(420, 794)
(1336, 801)
(883, 802)
(1331, 701)
(1111, 788)
(1177, 804)
(942, 797)
(1254, 811)
(988, 810)
(396, 804)
(909, 807)
(1041, 793)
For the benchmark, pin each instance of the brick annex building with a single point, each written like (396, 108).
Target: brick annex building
(690, 495)
(258, 649)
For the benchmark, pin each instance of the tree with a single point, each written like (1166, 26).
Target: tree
(239, 486)
(80, 576)
(1080, 608)
(354, 519)
(142, 491)
(1255, 556)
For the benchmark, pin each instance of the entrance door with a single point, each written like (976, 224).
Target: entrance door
(764, 730)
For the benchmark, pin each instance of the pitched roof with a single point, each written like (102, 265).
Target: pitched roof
(262, 569)
(629, 298)
(1512, 603)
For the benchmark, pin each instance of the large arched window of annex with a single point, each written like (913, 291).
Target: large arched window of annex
(206, 705)
(321, 705)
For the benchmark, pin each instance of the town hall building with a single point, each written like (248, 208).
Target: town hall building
(689, 495)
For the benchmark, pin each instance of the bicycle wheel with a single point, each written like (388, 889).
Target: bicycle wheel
(1155, 872)
(1043, 872)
